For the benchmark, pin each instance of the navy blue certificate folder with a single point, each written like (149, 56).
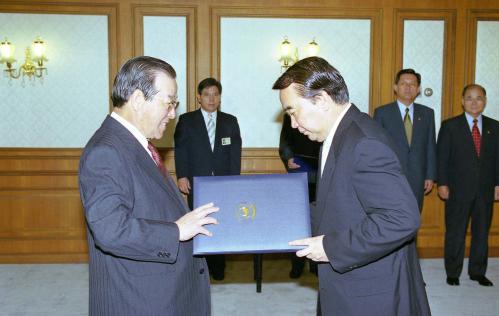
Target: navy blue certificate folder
(258, 213)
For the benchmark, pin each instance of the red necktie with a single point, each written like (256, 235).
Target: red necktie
(475, 133)
(157, 159)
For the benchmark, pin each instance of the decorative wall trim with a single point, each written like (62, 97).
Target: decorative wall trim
(449, 18)
(88, 8)
(190, 13)
(374, 15)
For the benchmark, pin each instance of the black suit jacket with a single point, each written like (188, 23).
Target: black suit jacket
(137, 265)
(369, 216)
(419, 161)
(459, 167)
(193, 154)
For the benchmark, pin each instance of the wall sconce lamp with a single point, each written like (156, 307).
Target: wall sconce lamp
(289, 54)
(32, 67)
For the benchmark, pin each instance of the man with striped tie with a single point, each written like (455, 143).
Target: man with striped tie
(468, 181)
(207, 143)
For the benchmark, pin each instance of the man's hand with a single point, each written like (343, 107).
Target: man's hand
(496, 193)
(314, 249)
(443, 192)
(428, 186)
(292, 164)
(192, 223)
(184, 185)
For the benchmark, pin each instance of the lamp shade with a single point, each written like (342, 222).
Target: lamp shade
(38, 48)
(6, 50)
(286, 48)
(312, 48)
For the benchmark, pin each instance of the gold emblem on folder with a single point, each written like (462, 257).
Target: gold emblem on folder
(246, 211)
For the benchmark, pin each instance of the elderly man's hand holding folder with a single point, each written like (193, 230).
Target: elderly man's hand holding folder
(192, 223)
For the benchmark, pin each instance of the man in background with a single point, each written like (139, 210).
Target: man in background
(366, 216)
(139, 228)
(468, 181)
(207, 143)
(299, 154)
(412, 128)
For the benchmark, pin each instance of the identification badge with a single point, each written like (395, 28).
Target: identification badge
(225, 141)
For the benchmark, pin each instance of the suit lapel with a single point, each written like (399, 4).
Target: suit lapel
(199, 122)
(467, 137)
(334, 151)
(135, 149)
(396, 117)
(216, 145)
(416, 120)
(487, 136)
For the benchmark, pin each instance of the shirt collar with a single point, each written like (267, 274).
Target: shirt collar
(205, 114)
(132, 129)
(329, 139)
(470, 119)
(402, 108)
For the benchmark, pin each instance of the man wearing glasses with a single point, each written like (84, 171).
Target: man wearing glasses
(139, 228)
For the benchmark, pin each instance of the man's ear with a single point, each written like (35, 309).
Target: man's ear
(322, 100)
(137, 99)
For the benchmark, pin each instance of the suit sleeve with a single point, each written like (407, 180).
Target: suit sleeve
(431, 151)
(443, 154)
(285, 141)
(181, 149)
(235, 150)
(389, 210)
(107, 195)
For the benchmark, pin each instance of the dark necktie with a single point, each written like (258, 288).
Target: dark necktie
(475, 133)
(408, 126)
(157, 159)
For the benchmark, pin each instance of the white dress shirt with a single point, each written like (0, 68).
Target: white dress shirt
(326, 146)
(134, 130)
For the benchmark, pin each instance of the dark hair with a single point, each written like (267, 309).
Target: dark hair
(409, 71)
(312, 75)
(209, 82)
(138, 73)
(473, 85)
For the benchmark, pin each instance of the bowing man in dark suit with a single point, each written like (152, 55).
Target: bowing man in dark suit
(412, 128)
(296, 149)
(139, 228)
(207, 143)
(468, 181)
(366, 215)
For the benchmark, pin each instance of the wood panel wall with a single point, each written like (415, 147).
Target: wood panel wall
(41, 218)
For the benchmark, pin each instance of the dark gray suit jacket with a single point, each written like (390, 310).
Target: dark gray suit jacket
(369, 216)
(419, 161)
(137, 265)
(193, 154)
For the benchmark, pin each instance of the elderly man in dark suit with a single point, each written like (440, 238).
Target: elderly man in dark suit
(412, 128)
(139, 227)
(366, 215)
(468, 181)
(207, 143)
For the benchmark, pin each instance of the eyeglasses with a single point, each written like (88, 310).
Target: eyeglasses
(173, 105)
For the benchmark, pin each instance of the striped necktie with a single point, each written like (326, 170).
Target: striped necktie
(211, 130)
(157, 159)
